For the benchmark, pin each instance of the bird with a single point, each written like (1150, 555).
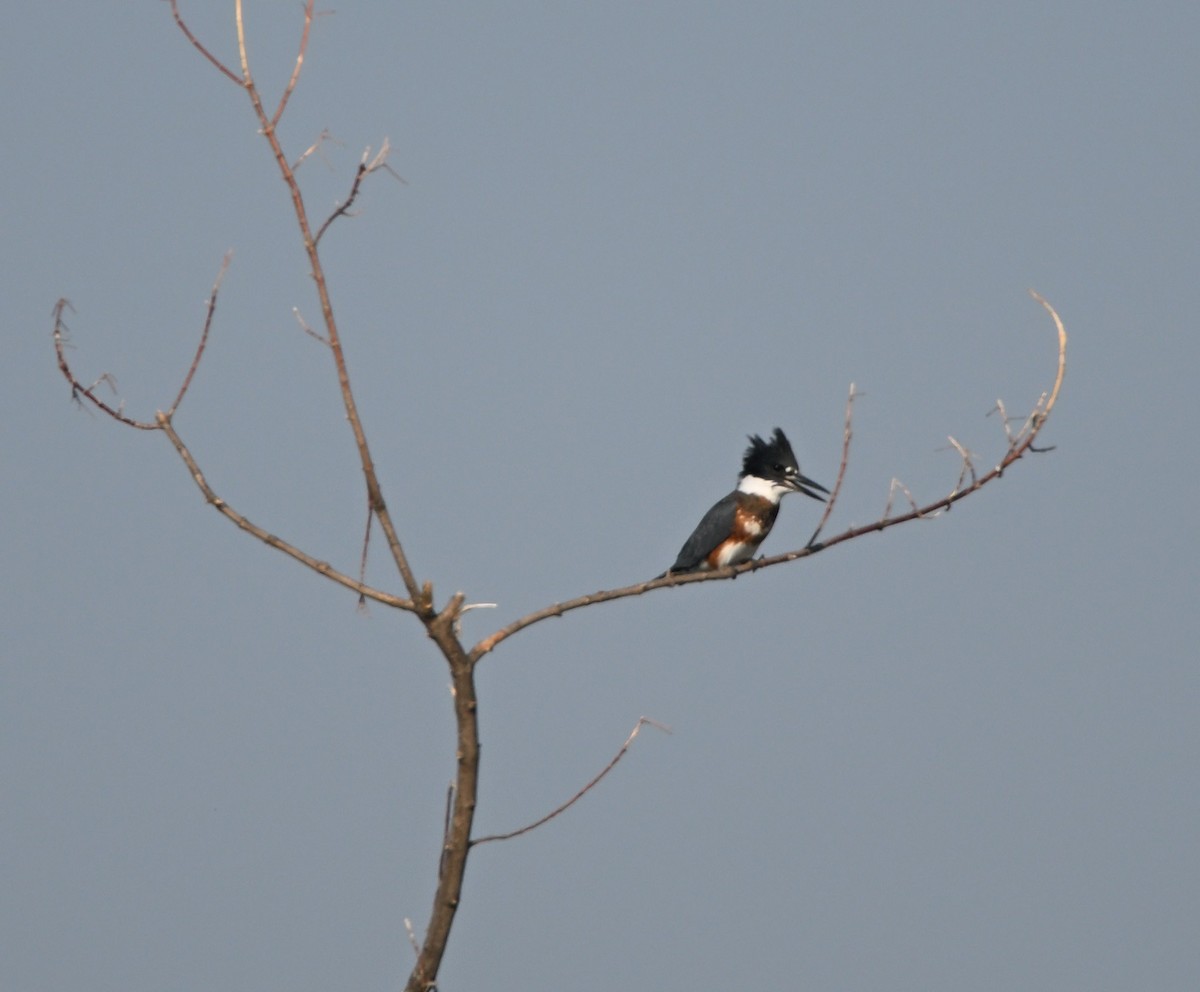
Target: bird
(731, 531)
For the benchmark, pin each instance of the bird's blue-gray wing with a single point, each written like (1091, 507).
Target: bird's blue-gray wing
(716, 525)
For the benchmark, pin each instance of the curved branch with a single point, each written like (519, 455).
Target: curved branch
(367, 164)
(1062, 356)
(80, 392)
(592, 783)
(344, 208)
(1019, 444)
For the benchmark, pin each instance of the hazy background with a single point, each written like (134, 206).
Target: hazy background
(960, 755)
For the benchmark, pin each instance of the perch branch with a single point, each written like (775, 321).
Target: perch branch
(1018, 444)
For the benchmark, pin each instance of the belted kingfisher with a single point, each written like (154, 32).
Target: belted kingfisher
(733, 529)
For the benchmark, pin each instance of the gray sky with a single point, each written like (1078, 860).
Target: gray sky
(958, 755)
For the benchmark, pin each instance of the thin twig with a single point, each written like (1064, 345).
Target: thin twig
(362, 560)
(242, 56)
(1062, 354)
(412, 937)
(315, 147)
(79, 391)
(344, 208)
(208, 319)
(642, 721)
(468, 607)
(847, 433)
(287, 92)
(967, 464)
(366, 166)
(225, 70)
(1005, 420)
(306, 329)
(896, 484)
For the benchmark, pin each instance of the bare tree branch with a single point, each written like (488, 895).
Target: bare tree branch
(291, 86)
(241, 37)
(344, 208)
(847, 434)
(895, 485)
(318, 566)
(163, 422)
(221, 67)
(642, 722)
(968, 464)
(441, 626)
(314, 148)
(208, 319)
(317, 270)
(362, 558)
(306, 329)
(412, 937)
(1018, 444)
(366, 166)
(79, 391)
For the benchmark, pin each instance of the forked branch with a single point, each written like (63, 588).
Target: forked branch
(81, 392)
(163, 422)
(320, 567)
(267, 126)
(366, 166)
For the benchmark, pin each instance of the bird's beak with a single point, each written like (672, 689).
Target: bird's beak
(806, 486)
